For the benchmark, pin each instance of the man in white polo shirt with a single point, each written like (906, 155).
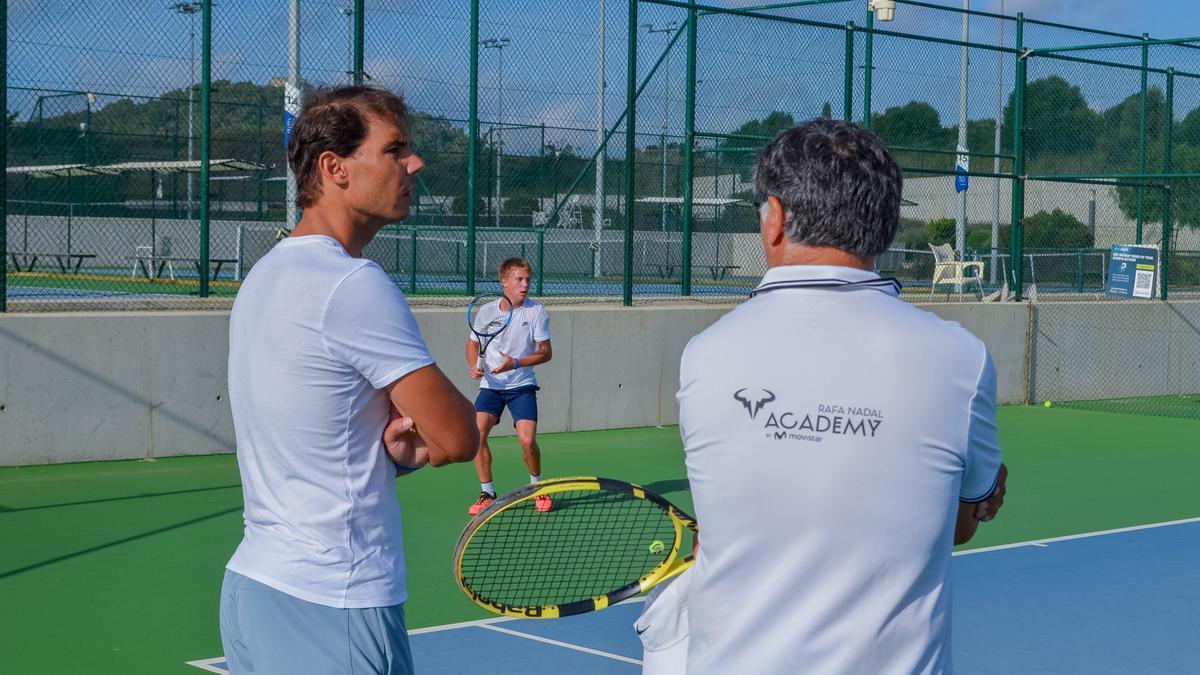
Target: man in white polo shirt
(322, 350)
(839, 441)
(507, 379)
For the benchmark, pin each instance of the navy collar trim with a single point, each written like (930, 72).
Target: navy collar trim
(887, 285)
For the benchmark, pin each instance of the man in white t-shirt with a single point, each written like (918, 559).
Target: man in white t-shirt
(838, 440)
(324, 355)
(507, 379)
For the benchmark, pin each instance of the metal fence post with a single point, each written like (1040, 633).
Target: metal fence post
(630, 150)
(1141, 189)
(689, 157)
(4, 157)
(359, 37)
(848, 86)
(541, 261)
(472, 148)
(1017, 230)
(1168, 193)
(868, 67)
(412, 260)
(205, 140)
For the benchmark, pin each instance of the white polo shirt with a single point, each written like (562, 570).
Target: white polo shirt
(831, 430)
(530, 325)
(314, 338)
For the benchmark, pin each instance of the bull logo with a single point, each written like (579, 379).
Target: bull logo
(753, 401)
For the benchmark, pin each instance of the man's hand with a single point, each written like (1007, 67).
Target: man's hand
(404, 446)
(445, 418)
(988, 508)
(505, 366)
(476, 373)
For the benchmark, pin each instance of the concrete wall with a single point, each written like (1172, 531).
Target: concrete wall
(92, 386)
(107, 385)
(1111, 350)
(78, 387)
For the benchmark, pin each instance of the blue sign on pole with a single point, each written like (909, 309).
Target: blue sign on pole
(962, 165)
(1133, 271)
(961, 179)
(291, 109)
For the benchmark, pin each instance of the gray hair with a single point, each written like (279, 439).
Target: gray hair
(839, 185)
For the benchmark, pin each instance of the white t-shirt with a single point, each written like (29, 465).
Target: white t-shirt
(314, 338)
(530, 325)
(830, 430)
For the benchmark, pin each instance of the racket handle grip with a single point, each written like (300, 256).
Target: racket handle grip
(479, 362)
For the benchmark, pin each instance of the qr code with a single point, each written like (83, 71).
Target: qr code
(1143, 284)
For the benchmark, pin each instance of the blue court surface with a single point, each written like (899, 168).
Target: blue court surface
(1121, 601)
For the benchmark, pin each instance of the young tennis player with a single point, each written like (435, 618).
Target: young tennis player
(507, 379)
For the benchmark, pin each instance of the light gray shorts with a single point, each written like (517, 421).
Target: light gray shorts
(268, 632)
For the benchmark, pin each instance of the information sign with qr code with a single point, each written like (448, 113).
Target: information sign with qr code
(1133, 272)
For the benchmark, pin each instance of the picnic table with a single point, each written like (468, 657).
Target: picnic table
(667, 270)
(68, 263)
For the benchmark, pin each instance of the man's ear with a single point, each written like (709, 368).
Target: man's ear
(333, 169)
(771, 222)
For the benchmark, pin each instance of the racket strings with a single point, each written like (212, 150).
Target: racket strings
(492, 327)
(590, 544)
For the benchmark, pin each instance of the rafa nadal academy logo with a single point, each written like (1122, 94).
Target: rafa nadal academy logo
(813, 422)
(753, 400)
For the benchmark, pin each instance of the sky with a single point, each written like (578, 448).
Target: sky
(1160, 18)
(747, 68)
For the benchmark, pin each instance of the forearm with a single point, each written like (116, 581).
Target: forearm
(534, 359)
(541, 354)
(472, 353)
(966, 524)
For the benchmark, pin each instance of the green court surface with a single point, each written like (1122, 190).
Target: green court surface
(115, 567)
(1186, 406)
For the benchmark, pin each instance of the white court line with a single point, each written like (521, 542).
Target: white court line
(1086, 535)
(567, 645)
(463, 624)
(483, 623)
(207, 664)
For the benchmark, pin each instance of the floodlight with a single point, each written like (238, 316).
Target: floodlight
(885, 10)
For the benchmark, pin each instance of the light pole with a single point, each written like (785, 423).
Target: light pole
(191, 9)
(348, 10)
(291, 105)
(662, 141)
(598, 212)
(996, 149)
(960, 231)
(498, 44)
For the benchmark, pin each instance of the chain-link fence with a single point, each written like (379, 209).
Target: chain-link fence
(612, 145)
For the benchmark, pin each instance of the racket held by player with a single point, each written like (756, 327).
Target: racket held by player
(604, 541)
(491, 325)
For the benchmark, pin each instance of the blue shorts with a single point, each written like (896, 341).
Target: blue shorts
(521, 403)
(264, 630)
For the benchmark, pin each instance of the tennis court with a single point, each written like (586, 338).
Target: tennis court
(119, 564)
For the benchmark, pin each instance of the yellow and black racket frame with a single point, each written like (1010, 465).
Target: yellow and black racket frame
(671, 566)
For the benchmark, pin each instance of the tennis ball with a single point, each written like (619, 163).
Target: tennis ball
(657, 546)
(1048, 404)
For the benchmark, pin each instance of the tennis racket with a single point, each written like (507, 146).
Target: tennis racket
(602, 542)
(487, 330)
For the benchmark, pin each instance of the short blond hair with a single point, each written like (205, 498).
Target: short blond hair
(512, 263)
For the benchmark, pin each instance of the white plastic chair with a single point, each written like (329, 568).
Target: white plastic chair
(947, 269)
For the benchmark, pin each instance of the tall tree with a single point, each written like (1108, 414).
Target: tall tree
(1060, 127)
